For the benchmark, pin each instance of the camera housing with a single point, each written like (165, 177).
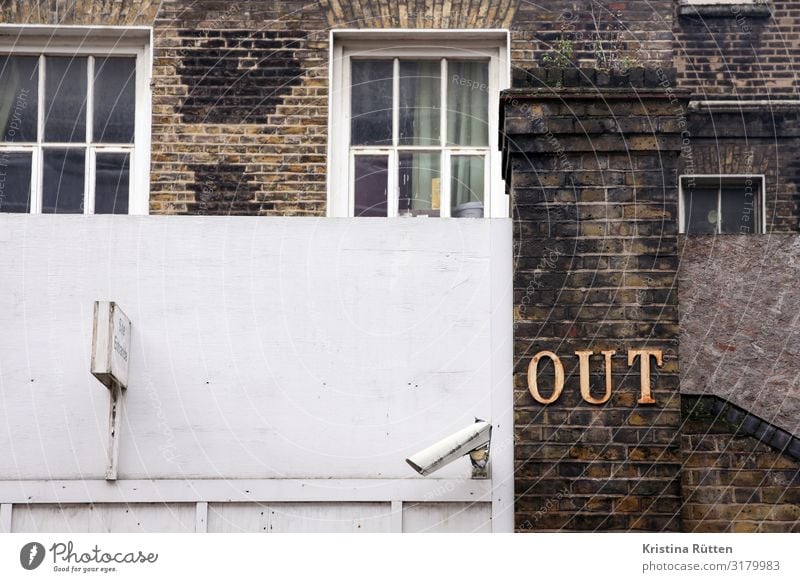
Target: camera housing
(472, 440)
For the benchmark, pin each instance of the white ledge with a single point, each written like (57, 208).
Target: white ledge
(245, 490)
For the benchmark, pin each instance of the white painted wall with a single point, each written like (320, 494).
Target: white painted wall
(263, 348)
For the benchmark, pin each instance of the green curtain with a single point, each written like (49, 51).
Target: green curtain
(423, 86)
(467, 122)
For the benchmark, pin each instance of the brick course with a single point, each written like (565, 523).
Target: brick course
(731, 482)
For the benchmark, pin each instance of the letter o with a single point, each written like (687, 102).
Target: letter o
(559, 373)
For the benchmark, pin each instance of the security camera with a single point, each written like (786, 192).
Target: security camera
(472, 440)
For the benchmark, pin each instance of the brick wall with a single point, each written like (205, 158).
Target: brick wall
(85, 12)
(751, 141)
(738, 54)
(240, 89)
(734, 483)
(593, 178)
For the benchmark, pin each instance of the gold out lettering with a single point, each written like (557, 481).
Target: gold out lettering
(644, 355)
(559, 377)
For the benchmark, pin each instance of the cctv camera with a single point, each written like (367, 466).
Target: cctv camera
(473, 440)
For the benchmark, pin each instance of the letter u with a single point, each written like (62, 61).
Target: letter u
(583, 359)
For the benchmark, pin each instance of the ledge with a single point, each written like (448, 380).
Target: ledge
(744, 105)
(587, 78)
(726, 10)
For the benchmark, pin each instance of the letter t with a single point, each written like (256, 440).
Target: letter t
(644, 364)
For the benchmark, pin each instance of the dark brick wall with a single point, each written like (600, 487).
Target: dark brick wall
(593, 178)
(743, 140)
(734, 483)
(740, 55)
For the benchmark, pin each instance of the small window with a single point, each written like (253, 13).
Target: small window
(722, 204)
(75, 120)
(414, 125)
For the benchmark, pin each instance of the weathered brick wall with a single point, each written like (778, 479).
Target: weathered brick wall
(593, 177)
(84, 12)
(240, 102)
(599, 33)
(239, 108)
(240, 89)
(734, 483)
(740, 55)
(753, 142)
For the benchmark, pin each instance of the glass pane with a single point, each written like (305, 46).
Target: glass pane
(62, 181)
(420, 184)
(111, 183)
(700, 209)
(466, 186)
(19, 97)
(420, 102)
(65, 99)
(739, 208)
(371, 185)
(468, 103)
(371, 103)
(15, 182)
(114, 100)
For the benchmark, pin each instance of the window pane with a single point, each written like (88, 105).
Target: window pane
(111, 183)
(420, 102)
(466, 186)
(468, 103)
(19, 90)
(371, 102)
(15, 182)
(739, 208)
(65, 99)
(114, 100)
(371, 185)
(420, 184)
(700, 209)
(62, 185)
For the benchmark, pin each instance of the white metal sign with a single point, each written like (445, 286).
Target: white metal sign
(111, 344)
(111, 349)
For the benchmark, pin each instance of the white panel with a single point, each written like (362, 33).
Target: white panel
(263, 347)
(447, 518)
(99, 518)
(300, 517)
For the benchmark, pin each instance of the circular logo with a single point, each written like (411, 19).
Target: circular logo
(31, 555)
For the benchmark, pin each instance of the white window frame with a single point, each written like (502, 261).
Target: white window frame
(490, 44)
(91, 41)
(759, 179)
